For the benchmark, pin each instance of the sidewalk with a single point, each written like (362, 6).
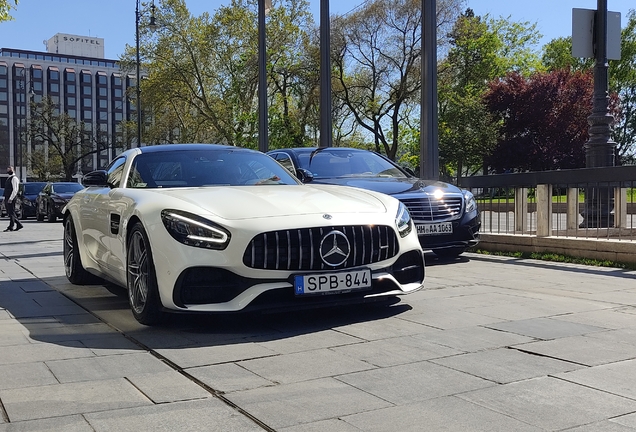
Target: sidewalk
(496, 344)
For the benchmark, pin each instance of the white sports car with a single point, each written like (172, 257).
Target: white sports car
(210, 228)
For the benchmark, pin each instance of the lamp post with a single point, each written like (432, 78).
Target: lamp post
(326, 125)
(18, 147)
(152, 25)
(599, 149)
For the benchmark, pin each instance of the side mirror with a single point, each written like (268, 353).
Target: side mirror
(304, 175)
(95, 178)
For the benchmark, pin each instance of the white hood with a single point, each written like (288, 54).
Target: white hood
(230, 202)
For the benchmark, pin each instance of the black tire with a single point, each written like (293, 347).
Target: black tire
(75, 272)
(50, 215)
(143, 293)
(452, 252)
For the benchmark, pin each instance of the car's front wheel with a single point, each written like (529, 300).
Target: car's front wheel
(75, 272)
(50, 216)
(143, 293)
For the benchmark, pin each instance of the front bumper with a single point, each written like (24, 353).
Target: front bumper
(465, 234)
(221, 290)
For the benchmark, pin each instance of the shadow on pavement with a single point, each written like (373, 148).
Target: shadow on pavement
(98, 317)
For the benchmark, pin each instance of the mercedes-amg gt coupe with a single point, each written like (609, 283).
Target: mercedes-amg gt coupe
(211, 228)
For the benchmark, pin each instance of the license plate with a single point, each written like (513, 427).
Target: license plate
(328, 283)
(433, 229)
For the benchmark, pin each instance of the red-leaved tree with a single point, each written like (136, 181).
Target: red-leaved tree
(543, 120)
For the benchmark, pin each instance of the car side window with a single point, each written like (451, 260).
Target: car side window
(285, 160)
(115, 172)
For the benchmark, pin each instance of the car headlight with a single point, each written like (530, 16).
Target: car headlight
(471, 204)
(403, 221)
(193, 230)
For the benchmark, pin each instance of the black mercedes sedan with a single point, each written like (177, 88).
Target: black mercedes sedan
(52, 199)
(446, 216)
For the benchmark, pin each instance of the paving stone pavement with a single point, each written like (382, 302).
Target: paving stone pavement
(492, 344)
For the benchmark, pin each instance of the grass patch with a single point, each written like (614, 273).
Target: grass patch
(553, 257)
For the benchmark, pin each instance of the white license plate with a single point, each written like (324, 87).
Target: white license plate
(433, 229)
(328, 283)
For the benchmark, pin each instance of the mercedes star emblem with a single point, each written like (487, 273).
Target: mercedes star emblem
(334, 248)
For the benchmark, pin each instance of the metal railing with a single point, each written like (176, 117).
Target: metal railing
(591, 203)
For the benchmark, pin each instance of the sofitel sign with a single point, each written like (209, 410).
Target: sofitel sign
(79, 39)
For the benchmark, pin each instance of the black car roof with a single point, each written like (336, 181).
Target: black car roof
(180, 147)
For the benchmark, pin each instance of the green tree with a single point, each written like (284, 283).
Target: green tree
(59, 142)
(622, 76)
(5, 9)
(203, 74)
(557, 54)
(376, 56)
(483, 49)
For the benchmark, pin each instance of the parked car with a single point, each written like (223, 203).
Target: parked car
(445, 216)
(210, 228)
(25, 202)
(52, 199)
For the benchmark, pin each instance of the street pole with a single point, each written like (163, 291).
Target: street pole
(20, 118)
(325, 76)
(599, 149)
(152, 26)
(263, 132)
(429, 147)
(138, 89)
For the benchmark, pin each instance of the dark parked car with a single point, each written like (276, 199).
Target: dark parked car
(25, 201)
(446, 216)
(52, 199)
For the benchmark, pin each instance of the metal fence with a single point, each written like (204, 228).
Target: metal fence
(593, 203)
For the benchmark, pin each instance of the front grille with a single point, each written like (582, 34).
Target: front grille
(299, 249)
(434, 210)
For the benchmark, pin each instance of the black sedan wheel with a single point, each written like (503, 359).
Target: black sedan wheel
(75, 273)
(143, 294)
(51, 217)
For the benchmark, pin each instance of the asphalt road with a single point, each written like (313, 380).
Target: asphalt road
(492, 344)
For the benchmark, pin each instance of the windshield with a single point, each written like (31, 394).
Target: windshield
(348, 163)
(33, 188)
(213, 167)
(67, 188)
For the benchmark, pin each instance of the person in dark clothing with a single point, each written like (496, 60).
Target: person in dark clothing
(10, 194)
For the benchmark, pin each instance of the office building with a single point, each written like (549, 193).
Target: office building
(74, 74)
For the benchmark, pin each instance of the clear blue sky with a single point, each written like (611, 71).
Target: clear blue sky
(114, 20)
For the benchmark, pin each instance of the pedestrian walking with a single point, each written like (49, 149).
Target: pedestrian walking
(10, 194)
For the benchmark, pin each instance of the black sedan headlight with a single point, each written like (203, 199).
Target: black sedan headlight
(471, 203)
(193, 230)
(403, 221)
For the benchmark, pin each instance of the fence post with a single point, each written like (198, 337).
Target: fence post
(521, 209)
(572, 216)
(544, 210)
(620, 207)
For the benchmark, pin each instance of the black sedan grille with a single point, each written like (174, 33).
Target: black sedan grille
(434, 210)
(299, 249)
